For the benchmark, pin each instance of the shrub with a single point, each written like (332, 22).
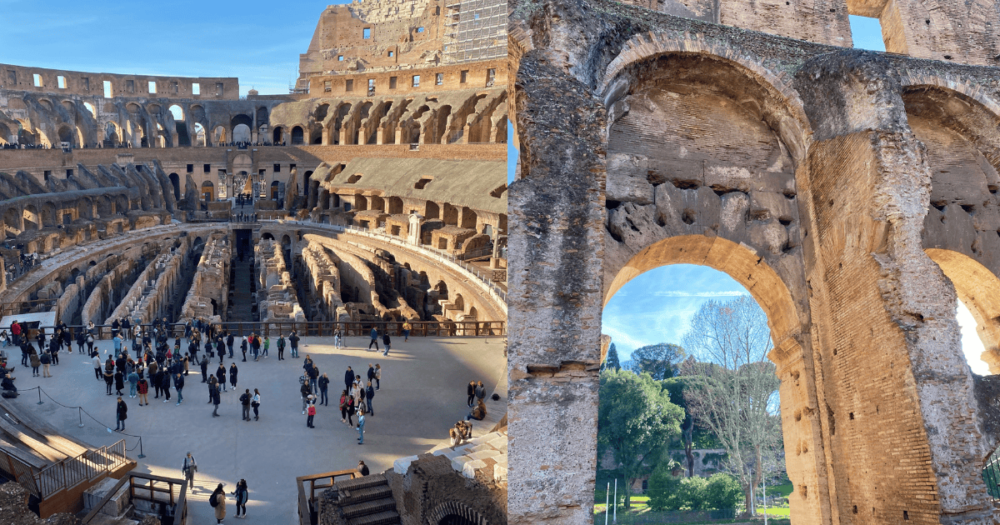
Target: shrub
(722, 491)
(662, 490)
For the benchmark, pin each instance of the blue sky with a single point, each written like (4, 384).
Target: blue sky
(257, 41)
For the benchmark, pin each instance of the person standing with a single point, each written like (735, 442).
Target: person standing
(267, 343)
(109, 378)
(233, 371)
(242, 495)
(343, 406)
(348, 379)
(338, 339)
(90, 342)
(313, 372)
(119, 382)
(81, 340)
(245, 401)
(324, 385)
(378, 376)
(243, 348)
(281, 347)
(369, 394)
(229, 343)
(305, 392)
(189, 468)
(157, 376)
(471, 391)
(374, 341)
(480, 391)
(36, 362)
(179, 385)
(406, 330)
(218, 502)
(312, 412)
(143, 389)
(133, 383)
(351, 408)
(166, 386)
(204, 369)
(371, 373)
(121, 414)
(293, 341)
(216, 398)
(255, 404)
(46, 360)
(385, 341)
(220, 374)
(361, 426)
(255, 346)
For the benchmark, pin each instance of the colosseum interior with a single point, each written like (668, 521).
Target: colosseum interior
(853, 193)
(372, 195)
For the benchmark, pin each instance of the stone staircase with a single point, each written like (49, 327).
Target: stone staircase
(366, 501)
(242, 301)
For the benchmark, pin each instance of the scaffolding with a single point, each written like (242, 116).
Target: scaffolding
(475, 30)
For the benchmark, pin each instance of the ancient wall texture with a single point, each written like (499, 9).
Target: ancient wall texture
(852, 193)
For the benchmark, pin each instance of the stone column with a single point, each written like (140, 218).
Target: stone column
(900, 421)
(556, 248)
(415, 226)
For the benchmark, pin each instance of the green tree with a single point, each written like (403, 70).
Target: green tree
(659, 361)
(611, 360)
(676, 386)
(636, 420)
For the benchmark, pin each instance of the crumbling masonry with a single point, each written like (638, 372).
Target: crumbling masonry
(854, 194)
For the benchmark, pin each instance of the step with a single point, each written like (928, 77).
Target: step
(389, 517)
(363, 482)
(355, 496)
(369, 507)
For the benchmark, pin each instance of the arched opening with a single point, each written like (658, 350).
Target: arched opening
(199, 135)
(297, 136)
(219, 135)
(32, 221)
(469, 218)
(112, 135)
(180, 125)
(175, 181)
(121, 204)
(66, 135)
(716, 329)
(241, 133)
(12, 219)
(459, 303)
(275, 190)
(278, 136)
(395, 205)
(208, 191)
(49, 215)
(85, 208)
(432, 211)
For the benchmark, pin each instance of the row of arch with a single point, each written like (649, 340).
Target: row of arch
(62, 210)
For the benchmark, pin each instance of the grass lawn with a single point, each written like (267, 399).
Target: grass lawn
(780, 490)
(779, 512)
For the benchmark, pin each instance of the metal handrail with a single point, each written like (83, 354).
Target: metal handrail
(306, 510)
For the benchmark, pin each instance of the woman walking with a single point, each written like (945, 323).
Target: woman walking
(242, 495)
(218, 502)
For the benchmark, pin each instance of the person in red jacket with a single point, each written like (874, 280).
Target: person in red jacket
(143, 390)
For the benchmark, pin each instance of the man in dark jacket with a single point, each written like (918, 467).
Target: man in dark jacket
(281, 347)
(179, 385)
(220, 374)
(157, 382)
(165, 386)
(233, 371)
(348, 379)
(385, 341)
(245, 401)
(471, 391)
(121, 414)
(216, 399)
(324, 385)
(371, 372)
(305, 392)
(369, 394)
(374, 341)
(229, 343)
(243, 348)
(204, 369)
(293, 340)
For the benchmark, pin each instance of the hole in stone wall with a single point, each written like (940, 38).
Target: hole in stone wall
(686, 184)
(655, 178)
(688, 216)
(939, 205)
(852, 416)
(906, 515)
(660, 221)
(789, 194)
(993, 188)
(760, 215)
(855, 509)
(610, 204)
(969, 208)
(785, 220)
(722, 190)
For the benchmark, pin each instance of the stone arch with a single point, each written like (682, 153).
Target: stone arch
(49, 215)
(459, 302)
(778, 104)
(432, 210)
(455, 513)
(278, 135)
(208, 191)
(219, 135)
(112, 134)
(979, 289)
(12, 219)
(121, 204)
(32, 220)
(395, 205)
(769, 290)
(85, 208)
(66, 134)
(200, 135)
(175, 182)
(298, 136)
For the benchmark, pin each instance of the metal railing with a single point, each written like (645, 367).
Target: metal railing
(138, 490)
(308, 511)
(457, 264)
(991, 475)
(66, 473)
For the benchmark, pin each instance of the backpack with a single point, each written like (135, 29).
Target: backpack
(213, 502)
(243, 398)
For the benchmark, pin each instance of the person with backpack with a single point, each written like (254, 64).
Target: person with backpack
(109, 379)
(385, 341)
(255, 404)
(293, 341)
(46, 360)
(242, 495)
(371, 373)
(305, 392)
(363, 469)
(218, 502)
(245, 401)
(281, 347)
(374, 341)
(189, 468)
(36, 362)
(121, 414)
(324, 385)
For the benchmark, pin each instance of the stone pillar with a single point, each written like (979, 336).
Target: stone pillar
(415, 227)
(900, 421)
(555, 314)
(326, 135)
